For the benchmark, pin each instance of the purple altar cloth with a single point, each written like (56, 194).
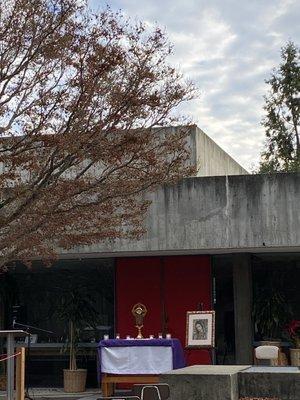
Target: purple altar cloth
(177, 350)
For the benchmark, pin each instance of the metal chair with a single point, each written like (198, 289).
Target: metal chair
(157, 391)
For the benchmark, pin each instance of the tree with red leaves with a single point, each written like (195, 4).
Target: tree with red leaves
(84, 99)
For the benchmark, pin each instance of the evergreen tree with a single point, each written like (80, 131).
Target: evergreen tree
(282, 119)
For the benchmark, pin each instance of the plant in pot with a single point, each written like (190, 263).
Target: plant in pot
(293, 329)
(78, 312)
(270, 314)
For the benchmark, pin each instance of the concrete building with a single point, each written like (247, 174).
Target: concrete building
(225, 214)
(209, 158)
(244, 224)
(211, 242)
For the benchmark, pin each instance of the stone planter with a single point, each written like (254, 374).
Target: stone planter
(295, 357)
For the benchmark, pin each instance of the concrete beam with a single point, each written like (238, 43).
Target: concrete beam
(207, 215)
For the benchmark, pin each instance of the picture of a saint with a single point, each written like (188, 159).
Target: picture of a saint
(200, 329)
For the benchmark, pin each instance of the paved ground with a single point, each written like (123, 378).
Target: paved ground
(58, 394)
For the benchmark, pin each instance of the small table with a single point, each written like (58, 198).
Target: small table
(137, 360)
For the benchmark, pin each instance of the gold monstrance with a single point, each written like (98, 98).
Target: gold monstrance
(139, 311)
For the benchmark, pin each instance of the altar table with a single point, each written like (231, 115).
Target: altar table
(137, 360)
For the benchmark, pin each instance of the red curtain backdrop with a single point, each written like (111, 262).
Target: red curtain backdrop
(138, 281)
(169, 287)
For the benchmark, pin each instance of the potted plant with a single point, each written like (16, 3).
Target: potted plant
(78, 312)
(293, 329)
(269, 316)
(270, 312)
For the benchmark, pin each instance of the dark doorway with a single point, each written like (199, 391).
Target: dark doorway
(224, 308)
(38, 292)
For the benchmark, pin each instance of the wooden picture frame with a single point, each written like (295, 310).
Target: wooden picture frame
(200, 329)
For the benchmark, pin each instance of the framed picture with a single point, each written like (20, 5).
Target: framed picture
(200, 329)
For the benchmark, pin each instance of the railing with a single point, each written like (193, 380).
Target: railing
(19, 381)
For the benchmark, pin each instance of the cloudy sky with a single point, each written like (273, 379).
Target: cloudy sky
(228, 48)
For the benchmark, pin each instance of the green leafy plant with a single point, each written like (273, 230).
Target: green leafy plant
(78, 312)
(270, 311)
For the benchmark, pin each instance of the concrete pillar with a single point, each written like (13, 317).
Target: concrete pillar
(242, 292)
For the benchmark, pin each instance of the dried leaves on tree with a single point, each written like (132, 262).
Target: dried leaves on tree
(80, 96)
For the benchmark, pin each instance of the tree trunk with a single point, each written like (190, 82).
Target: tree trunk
(72, 364)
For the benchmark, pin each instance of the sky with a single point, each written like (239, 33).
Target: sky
(228, 48)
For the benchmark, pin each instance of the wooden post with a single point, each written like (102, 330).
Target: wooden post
(20, 374)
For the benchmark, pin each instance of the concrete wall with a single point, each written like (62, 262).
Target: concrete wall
(209, 158)
(203, 382)
(270, 383)
(217, 214)
(212, 160)
(227, 382)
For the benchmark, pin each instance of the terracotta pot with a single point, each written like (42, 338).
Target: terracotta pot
(295, 357)
(74, 380)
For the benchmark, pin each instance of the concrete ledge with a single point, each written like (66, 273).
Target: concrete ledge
(280, 382)
(218, 382)
(204, 382)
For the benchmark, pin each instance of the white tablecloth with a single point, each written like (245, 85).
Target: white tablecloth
(136, 359)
